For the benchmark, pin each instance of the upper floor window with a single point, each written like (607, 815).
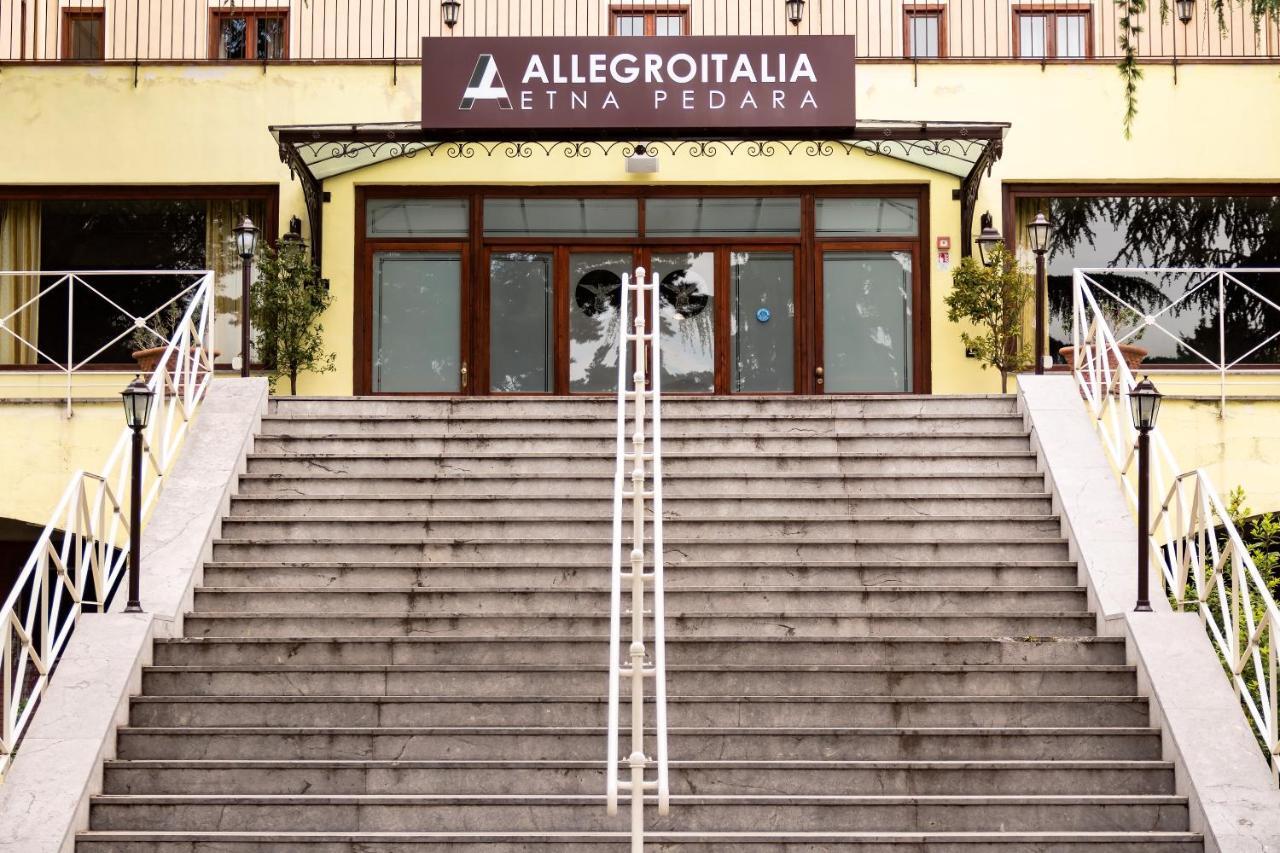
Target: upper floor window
(1052, 32)
(650, 21)
(84, 34)
(925, 32)
(250, 34)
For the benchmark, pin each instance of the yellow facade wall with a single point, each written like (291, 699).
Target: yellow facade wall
(40, 448)
(208, 125)
(1240, 449)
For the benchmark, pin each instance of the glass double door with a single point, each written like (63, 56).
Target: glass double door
(732, 319)
(727, 318)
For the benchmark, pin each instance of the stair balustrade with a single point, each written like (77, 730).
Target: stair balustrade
(81, 554)
(1203, 562)
(645, 388)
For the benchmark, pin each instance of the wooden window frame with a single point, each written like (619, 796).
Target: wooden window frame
(252, 14)
(477, 247)
(1051, 15)
(70, 15)
(269, 194)
(934, 11)
(650, 15)
(1013, 192)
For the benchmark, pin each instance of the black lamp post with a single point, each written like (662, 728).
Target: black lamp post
(137, 413)
(246, 245)
(795, 12)
(450, 9)
(1039, 231)
(987, 241)
(1144, 404)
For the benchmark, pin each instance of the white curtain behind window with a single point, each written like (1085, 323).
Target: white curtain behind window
(221, 258)
(19, 251)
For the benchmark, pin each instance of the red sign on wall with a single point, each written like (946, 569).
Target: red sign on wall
(664, 86)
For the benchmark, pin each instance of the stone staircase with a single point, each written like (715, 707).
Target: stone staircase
(877, 642)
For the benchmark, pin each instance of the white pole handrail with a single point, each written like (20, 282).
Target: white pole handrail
(1202, 559)
(84, 544)
(645, 386)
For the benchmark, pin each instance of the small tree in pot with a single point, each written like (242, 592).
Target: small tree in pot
(286, 303)
(993, 299)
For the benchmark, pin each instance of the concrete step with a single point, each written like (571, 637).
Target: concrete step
(674, 529)
(683, 710)
(605, 406)
(522, 601)
(695, 842)
(579, 680)
(782, 504)
(674, 484)
(553, 576)
(719, 622)
(592, 551)
(785, 778)
(689, 813)
(739, 650)
(675, 424)
(304, 437)
(547, 743)
(384, 464)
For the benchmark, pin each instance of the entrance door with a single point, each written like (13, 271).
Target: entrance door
(867, 319)
(419, 337)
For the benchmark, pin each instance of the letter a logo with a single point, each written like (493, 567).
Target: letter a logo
(486, 85)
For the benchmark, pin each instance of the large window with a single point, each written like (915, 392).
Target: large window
(99, 234)
(1136, 234)
(1052, 32)
(243, 33)
(651, 21)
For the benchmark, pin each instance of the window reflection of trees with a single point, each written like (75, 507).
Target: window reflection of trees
(1162, 231)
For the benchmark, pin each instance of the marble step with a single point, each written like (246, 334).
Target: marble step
(551, 576)
(550, 743)
(816, 710)
(587, 650)
(516, 601)
(591, 551)
(291, 624)
(815, 527)
(783, 778)
(688, 813)
(579, 680)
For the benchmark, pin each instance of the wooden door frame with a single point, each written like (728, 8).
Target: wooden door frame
(474, 246)
(919, 294)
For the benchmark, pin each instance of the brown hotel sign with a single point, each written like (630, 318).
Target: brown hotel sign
(603, 86)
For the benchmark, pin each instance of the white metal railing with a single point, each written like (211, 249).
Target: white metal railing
(1214, 285)
(1202, 559)
(87, 286)
(81, 554)
(646, 385)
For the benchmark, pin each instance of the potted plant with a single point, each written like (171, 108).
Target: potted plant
(994, 299)
(286, 303)
(162, 326)
(1133, 354)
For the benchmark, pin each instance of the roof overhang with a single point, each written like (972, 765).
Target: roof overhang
(964, 150)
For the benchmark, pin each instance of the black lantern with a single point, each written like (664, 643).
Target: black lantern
(1186, 9)
(1039, 231)
(987, 241)
(137, 403)
(246, 238)
(450, 9)
(292, 241)
(1144, 405)
(795, 12)
(137, 413)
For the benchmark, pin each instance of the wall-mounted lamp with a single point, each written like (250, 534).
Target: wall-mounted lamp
(643, 161)
(795, 12)
(1186, 9)
(987, 241)
(450, 9)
